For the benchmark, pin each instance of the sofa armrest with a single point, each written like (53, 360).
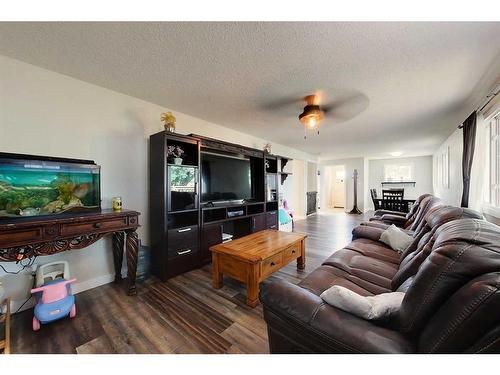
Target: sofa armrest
(300, 315)
(397, 220)
(384, 212)
(367, 231)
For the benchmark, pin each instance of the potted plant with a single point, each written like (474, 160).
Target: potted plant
(168, 121)
(174, 153)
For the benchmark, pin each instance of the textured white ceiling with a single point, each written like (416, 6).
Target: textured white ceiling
(417, 76)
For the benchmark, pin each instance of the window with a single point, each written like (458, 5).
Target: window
(443, 168)
(495, 161)
(398, 172)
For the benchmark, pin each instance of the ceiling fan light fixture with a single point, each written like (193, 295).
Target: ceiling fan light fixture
(311, 116)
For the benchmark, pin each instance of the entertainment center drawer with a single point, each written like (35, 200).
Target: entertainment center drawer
(77, 228)
(182, 252)
(183, 237)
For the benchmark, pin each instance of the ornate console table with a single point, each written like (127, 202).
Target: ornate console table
(34, 236)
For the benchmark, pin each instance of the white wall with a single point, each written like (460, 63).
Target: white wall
(312, 173)
(46, 113)
(299, 189)
(451, 195)
(422, 175)
(350, 165)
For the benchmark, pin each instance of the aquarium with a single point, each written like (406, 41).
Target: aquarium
(32, 186)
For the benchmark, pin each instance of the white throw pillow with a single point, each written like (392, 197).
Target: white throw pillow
(373, 307)
(396, 238)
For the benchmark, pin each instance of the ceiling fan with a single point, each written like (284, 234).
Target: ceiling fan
(346, 106)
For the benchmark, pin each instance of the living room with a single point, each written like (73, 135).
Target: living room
(249, 187)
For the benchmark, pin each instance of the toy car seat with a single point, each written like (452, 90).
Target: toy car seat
(54, 301)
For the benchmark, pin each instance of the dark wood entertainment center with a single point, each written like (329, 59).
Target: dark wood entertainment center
(182, 228)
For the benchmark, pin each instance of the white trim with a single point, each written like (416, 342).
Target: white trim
(78, 287)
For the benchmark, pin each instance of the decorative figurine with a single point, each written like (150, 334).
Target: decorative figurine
(267, 148)
(169, 121)
(175, 154)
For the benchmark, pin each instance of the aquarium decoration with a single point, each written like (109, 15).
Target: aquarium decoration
(32, 186)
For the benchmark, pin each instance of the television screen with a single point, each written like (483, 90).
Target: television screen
(225, 178)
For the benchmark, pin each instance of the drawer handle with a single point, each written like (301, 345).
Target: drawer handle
(97, 225)
(273, 264)
(183, 230)
(183, 252)
(272, 213)
(293, 251)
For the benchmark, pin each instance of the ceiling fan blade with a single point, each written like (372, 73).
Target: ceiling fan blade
(347, 107)
(282, 103)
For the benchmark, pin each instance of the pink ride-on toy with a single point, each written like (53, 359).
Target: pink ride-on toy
(53, 301)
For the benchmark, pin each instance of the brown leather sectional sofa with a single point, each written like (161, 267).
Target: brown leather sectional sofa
(450, 274)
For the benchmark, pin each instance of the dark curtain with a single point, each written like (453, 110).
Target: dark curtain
(469, 136)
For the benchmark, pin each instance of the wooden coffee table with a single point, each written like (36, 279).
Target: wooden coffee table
(252, 258)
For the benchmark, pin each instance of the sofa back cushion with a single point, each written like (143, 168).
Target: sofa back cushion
(462, 250)
(466, 320)
(423, 241)
(415, 209)
(427, 205)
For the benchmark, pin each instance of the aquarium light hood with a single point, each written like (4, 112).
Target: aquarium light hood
(39, 166)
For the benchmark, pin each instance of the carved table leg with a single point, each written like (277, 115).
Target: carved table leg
(118, 241)
(132, 255)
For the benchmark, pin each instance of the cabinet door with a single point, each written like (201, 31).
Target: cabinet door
(258, 223)
(272, 219)
(182, 187)
(210, 235)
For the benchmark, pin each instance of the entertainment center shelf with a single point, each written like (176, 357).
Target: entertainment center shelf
(220, 214)
(196, 198)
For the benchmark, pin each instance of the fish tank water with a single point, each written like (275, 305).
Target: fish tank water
(35, 186)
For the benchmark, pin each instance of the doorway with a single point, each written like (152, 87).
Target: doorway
(335, 186)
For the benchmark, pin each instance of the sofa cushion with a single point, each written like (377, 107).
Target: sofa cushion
(381, 306)
(324, 277)
(396, 238)
(369, 268)
(374, 249)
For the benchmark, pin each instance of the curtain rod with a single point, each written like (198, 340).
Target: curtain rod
(489, 98)
(487, 101)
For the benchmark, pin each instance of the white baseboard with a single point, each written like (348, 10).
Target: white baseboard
(92, 283)
(78, 287)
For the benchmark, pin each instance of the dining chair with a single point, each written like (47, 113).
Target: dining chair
(376, 202)
(392, 199)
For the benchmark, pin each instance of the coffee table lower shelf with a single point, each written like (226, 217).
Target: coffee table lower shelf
(252, 272)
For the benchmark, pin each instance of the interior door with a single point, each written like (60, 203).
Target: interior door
(339, 191)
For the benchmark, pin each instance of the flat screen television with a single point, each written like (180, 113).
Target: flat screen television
(225, 178)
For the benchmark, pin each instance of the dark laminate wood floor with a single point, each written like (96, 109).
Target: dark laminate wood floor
(182, 315)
